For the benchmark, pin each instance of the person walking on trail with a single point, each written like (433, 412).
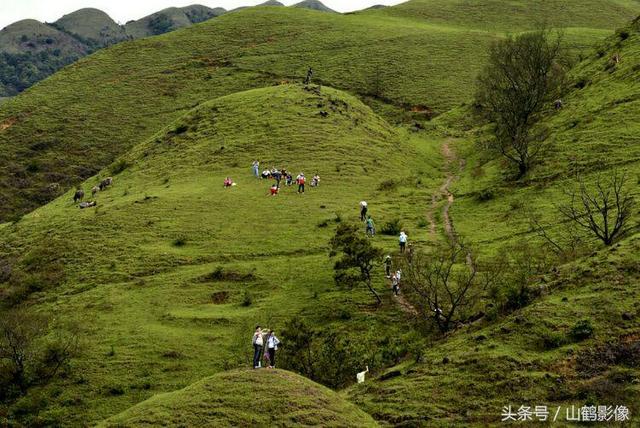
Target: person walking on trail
(300, 182)
(395, 287)
(387, 266)
(371, 227)
(403, 241)
(256, 168)
(258, 342)
(399, 276)
(363, 210)
(272, 347)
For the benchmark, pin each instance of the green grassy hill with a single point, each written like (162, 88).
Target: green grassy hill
(314, 5)
(169, 274)
(498, 15)
(246, 398)
(396, 64)
(529, 357)
(92, 25)
(140, 269)
(170, 19)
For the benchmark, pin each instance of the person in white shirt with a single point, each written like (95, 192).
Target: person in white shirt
(258, 342)
(272, 347)
(363, 210)
(403, 241)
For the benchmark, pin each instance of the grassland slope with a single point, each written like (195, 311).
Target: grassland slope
(259, 397)
(159, 272)
(531, 356)
(76, 122)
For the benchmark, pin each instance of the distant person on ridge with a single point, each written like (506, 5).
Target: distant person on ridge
(272, 347)
(363, 210)
(258, 342)
(403, 241)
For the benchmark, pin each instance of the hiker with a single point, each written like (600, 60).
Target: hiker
(315, 181)
(300, 181)
(266, 174)
(398, 276)
(276, 175)
(256, 168)
(257, 342)
(94, 190)
(228, 182)
(307, 80)
(87, 204)
(274, 190)
(387, 266)
(272, 347)
(410, 253)
(403, 241)
(78, 196)
(394, 284)
(289, 179)
(370, 228)
(363, 210)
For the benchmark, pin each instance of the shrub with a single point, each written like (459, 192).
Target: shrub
(392, 227)
(119, 166)
(485, 195)
(221, 274)
(180, 241)
(552, 339)
(247, 300)
(582, 330)
(387, 185)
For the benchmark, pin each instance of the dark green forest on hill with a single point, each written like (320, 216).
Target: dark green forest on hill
(501, 137)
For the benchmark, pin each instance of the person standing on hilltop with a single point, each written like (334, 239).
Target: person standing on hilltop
(258, 342)
(256, 168)
(403, 241)
(363, 210)
(272, 347)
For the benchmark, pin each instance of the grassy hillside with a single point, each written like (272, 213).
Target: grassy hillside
(499, 15)
(314, 5)
(142, 265)
(246, 398)
(398, 64)
(170, 19)
(530, 357)
(92, 25)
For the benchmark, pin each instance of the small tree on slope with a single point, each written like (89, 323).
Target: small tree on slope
(358, 258)
(517, 85)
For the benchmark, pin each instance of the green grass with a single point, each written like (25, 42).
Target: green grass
(504, 362)
(153, 325)
(246, 397)
(69, 127)
(144, 296)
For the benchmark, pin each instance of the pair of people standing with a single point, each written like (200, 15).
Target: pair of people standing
(259, 341)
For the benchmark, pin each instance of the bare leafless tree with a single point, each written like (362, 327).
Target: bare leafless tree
(604, 209)
(445, 284)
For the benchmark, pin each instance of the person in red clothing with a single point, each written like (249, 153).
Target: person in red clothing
(300, 181)
(228, 182)
(274, 190)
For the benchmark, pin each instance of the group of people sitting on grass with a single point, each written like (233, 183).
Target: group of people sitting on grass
(279, 175)
(265, 344)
